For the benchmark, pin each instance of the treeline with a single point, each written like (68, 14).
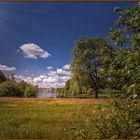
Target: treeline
(11, 88)
(109, 66)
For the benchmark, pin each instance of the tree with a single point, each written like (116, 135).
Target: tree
(67, 86)
(75, 88)
(125, 68)
(2, 77)
(125, 73)
(98, 66)
(23, 85)
(30, 91)
(127, 27)
(10, 89)
(89, 56)
(61, 92)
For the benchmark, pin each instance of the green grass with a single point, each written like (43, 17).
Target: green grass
(42, 119)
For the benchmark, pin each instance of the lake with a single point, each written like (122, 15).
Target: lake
(46, 95)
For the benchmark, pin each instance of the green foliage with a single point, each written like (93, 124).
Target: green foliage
(30, 91)
(75, 133)
(127, 27)
(2, 77)
(23, 85)
(124, 73)
(99, 67)
(91, 56)
(61, 93)
(121, 121)
(11, 89)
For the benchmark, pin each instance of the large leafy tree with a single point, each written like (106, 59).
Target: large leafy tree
(124, 73)
(90, 56)
(97, 65)
(125, 68)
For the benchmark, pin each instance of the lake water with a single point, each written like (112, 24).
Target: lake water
(46, 95)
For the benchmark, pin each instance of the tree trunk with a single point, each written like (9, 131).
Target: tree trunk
(95, 86)
(96, 94)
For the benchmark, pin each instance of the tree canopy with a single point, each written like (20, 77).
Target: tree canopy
(109, 65)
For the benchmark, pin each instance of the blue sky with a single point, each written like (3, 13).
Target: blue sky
(49, 27)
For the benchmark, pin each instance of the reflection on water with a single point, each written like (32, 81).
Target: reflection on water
(46, 95)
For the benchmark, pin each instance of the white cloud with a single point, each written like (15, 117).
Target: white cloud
(54, 78)
(51, 79)
(6, 68)
(63, 72)
(33, 51)
(52, 73)
(66, 67)
(49, 67)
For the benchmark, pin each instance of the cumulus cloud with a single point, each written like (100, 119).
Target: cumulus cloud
(33, 51)
(6, 68)
(66, 67)
(52, 73)
(49, 67)
(54, 78)
(63, 72)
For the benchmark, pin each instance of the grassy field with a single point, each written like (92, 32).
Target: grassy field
(45, 118)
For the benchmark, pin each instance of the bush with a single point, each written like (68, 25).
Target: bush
(122, 120)
(10, 89)
(30, 91)
(75, 133)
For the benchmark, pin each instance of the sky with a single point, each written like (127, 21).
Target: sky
(37, 38)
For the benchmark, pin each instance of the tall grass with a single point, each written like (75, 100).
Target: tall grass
(42, 119)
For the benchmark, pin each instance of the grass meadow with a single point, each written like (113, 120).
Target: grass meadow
(45, 118)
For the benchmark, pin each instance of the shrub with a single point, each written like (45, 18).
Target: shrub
(122, 120)
(75, 133)
(11, 89)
